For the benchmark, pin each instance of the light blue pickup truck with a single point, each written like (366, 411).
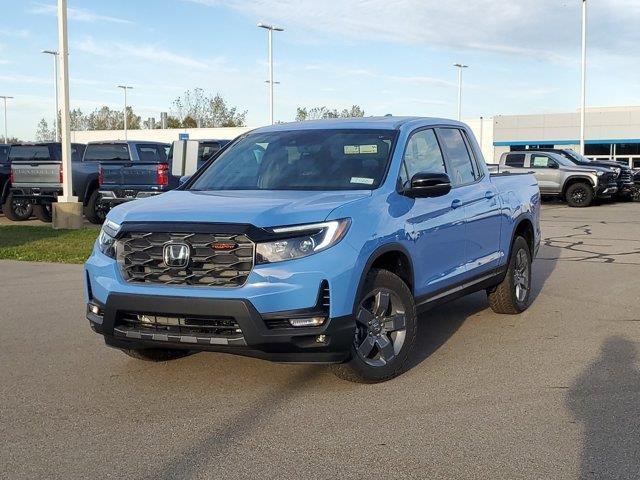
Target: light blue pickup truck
(318, 241)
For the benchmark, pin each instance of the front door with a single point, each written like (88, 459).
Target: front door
(434, 226)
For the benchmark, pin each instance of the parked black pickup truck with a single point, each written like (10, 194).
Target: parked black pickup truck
(15, 209)
(36, 170)
(130, 170)
(624, 178)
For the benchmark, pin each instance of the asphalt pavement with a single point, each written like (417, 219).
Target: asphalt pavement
(549, 394)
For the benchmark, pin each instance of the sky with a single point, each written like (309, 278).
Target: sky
(386, 56)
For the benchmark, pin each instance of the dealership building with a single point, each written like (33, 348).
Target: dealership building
(611, 133)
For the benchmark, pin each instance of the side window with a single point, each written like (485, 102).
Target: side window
(540, 161)
(422, 155)
(463, 168)
(515, 160)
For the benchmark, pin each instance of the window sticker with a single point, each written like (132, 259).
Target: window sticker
(362, 180)
(360, 149)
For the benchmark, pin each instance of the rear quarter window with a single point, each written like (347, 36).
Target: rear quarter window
(515, 160)
(104, 153)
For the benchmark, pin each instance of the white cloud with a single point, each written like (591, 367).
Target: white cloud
(77, 14)
(140, 51)
(539, 29)
(17, 33)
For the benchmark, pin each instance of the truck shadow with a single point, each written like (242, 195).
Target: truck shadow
(604, 399)
(436, 326)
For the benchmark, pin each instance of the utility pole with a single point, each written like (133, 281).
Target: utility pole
(55, 85)
(67, 212)
(5, 98)
(125, 88)
(584, 77)
(271, 29)
(460, 66)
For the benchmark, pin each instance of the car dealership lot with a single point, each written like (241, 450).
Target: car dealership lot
(552, 393)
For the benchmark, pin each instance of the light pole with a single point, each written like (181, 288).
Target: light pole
(584, 76)
(55, 84)
(460, 66)
(271, 29)
(125, 88)
(5, 97)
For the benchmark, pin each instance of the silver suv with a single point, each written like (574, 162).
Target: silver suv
(556, 175)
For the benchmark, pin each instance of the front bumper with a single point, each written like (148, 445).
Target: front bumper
(329, 343)
(625, 189)
(606, 190)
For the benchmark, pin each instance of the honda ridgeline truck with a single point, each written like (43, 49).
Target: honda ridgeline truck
(558, 176)
(317, 241)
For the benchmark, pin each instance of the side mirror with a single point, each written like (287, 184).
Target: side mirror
(426, 184)
(184, 179)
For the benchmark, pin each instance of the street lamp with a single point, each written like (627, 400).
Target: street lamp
(271, 29)
(55, 84)
(125, 88)
(584, 75)
(5, 97)
(460, 66)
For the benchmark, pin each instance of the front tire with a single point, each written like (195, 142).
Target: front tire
(43, 212)
(579, 195)
(513, 294)
(386, 330)
(155, 354)
(17, 209)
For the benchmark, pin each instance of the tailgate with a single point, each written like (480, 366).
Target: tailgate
(129, 174)
(36, 174)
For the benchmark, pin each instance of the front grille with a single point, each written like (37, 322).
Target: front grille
(188, 329)
(141, 259)
(608, 178)
(625, 176)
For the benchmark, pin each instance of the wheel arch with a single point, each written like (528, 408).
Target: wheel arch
(392, 257)
(92, 185)
(576, 179)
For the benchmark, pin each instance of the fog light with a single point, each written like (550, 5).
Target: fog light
(321, 339)
(307, 322)
(95, 309)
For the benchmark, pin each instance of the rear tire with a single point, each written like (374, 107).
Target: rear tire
(43, 212)
(95, 211)
(155, 354)
(17, 210)
(513, 294)
(579, 195)
(386, 330)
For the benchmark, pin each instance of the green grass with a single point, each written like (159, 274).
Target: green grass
(44, 244)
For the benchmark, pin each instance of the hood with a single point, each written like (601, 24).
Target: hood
(262, 208)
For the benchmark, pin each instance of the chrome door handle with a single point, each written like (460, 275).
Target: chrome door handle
(489, 194)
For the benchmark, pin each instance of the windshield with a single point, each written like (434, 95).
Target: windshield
(302, 160)
(575, 157)
(29, 152)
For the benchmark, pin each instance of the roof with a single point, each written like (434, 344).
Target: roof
(382, 123)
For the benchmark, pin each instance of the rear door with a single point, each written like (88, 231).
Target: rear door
(546, 171)
(479, 199)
